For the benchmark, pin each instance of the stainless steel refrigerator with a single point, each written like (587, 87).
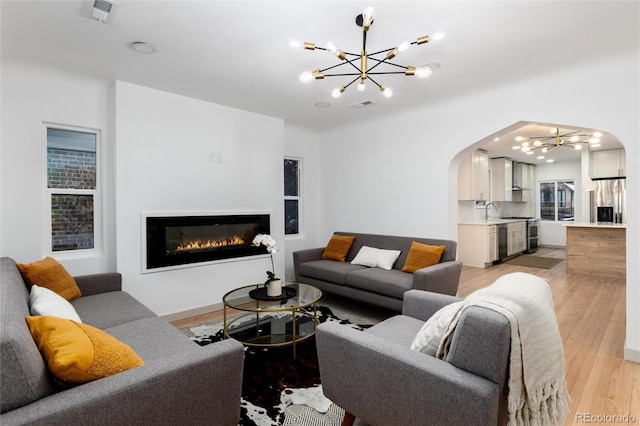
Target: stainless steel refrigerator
(609, 201)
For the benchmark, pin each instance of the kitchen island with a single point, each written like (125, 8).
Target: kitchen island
(597, 249)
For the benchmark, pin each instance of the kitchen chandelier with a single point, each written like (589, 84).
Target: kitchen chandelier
(364, 72)
(574, 140)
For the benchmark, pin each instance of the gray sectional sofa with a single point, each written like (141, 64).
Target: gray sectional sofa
(180, 383)
(374, 285)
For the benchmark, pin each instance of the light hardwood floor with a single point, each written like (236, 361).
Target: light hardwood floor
(591, 318)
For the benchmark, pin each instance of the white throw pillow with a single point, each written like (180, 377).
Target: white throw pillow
(43, 301)
(430, 335)
(376, 258)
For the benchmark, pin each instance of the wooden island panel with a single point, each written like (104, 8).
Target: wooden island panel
(599, 251)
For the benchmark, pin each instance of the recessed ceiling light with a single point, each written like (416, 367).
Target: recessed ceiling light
(143, 47)
(323, 104)
(550, 160)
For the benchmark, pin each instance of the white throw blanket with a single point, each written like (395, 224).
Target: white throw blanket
(537, 387)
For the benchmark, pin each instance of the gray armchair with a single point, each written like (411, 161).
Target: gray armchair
(376, 377)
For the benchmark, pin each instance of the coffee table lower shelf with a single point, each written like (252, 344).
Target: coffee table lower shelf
(273, 329)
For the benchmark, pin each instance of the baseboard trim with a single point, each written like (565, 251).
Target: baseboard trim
(193, 312)
(631, 354)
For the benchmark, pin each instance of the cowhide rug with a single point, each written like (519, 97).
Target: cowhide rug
(276, 388)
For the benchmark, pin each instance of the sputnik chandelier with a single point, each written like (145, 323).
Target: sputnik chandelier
(360, 62)
(574, 140)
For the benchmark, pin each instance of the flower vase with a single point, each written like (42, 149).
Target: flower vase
(274, 288)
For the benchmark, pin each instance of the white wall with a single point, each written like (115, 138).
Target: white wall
(554, 233)
(30, 97)
(163, 142)
(399, 175)
(303, 144)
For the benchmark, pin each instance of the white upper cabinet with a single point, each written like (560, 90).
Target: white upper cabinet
(501, 179)
(473, 177)
(606, 164)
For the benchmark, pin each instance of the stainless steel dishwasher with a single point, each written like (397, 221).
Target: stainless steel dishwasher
(503, 236)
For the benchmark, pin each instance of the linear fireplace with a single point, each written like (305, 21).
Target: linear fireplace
(182, 240)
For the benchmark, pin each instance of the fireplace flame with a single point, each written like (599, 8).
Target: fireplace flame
(210, 244)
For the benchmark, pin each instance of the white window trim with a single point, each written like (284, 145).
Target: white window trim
(300, 233)
(47, 192)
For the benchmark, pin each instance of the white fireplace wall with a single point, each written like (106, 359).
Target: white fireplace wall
(164, 147)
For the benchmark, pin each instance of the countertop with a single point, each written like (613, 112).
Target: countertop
(595, 225)
(491, 221)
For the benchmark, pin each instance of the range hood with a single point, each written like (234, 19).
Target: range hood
(517, 181)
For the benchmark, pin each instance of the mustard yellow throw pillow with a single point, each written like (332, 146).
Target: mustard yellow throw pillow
(78, 353)
(422, 255)
(50, 274)
(338, 247)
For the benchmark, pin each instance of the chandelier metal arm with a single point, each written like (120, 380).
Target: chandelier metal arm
(341, 64)
(385, 72)
(344, 74)
(374, 82)
(385, 61)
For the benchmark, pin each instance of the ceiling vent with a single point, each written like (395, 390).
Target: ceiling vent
(362, 104)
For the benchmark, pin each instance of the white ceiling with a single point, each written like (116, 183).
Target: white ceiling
(236, 52)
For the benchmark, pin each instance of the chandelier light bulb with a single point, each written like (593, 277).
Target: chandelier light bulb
(367, 16)
(437, 37)
(577, 147)
(404, 46)
(537, 143)
(519, 138)
(574, 138)
(387, 92)
(545, 149)
(332, 47)
(594, 140)
(361, 86)
(423, 72)
(597, 135)
(526, 149)
(337, 92)
(295, 44)
(306, 77)
(525, 143)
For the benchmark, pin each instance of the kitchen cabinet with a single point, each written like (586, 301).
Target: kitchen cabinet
(501, 179)
(609, 163)
(477, 244)
(473, 177)
(516, 237)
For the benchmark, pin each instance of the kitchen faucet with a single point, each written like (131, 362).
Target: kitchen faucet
(486, 210)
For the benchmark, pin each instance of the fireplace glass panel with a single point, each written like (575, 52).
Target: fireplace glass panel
(182, 240)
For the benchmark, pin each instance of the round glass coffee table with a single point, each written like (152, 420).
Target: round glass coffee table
(272, 322)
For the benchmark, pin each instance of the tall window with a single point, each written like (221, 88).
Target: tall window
(72, 188)
(557, 200)
(292, 200)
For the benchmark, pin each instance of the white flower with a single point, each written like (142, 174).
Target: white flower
(267, 241)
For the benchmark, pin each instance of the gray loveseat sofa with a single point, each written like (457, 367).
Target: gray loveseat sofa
(374, 285)
(180, 383)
